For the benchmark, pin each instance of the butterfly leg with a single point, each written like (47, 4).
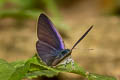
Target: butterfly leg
(69, 60)
(72, 63)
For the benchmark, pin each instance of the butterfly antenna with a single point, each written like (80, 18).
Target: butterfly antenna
(82, 37)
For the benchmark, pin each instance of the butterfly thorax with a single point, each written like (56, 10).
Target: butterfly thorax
(62, 55)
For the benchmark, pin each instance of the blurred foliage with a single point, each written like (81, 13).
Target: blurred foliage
(117, 7)
(111, 7)
(30, 9)
(19, 14)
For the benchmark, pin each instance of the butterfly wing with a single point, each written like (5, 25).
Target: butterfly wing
(46, 52)
(47, 33)
(49, 40)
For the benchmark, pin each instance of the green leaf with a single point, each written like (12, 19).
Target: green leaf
(72, 69)
(20, 72)
(34, 67)
(93, 76)
(6, 70)
(38, 68)
(13, 71)
(47, 73)
(17, 63)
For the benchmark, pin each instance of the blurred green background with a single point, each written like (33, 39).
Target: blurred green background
(99, 52)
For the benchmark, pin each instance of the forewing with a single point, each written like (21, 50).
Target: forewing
(46, 52)
(47, 33)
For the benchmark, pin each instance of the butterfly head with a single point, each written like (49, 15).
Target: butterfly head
(65, 52)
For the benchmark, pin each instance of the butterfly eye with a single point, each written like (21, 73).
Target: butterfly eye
(65, 51)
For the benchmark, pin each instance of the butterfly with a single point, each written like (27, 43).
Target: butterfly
(50, 46)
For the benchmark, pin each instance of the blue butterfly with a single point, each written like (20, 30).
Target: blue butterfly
(50, 46)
